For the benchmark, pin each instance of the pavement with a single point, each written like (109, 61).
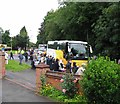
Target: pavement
(20, 87)
(24, 78)
(12, 92)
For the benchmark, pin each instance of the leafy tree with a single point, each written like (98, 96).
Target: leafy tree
(107, 30)
(71, 21)
(41, 36)
(96, 23)
(6, 38)
(17, 42)
(1, 33)
(31, 44)
(23, 38)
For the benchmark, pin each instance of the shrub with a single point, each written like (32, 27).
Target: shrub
(46, 90)
(68, 85)
(57, 95)
(101, 81)
(43, 80)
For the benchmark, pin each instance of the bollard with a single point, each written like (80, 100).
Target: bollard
(2, 65)
(40, 70)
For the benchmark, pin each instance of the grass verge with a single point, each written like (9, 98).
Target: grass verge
(14, 66)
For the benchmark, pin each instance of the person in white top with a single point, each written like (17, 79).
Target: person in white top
(6, 58)
(81, 69)
(42, 58)
(36, 62)
(61, 66)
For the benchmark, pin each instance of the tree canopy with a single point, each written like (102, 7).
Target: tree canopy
(20, 40)
(1, 33)
(96, 23)
(107, 30)
(6, 38)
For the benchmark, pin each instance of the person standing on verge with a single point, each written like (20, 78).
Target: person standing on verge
(32, 62)
(26, 56)
(11, 55)
(6, 58)
(20, 58)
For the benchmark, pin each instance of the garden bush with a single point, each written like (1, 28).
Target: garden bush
(43, 80)
(57, 95)
(68, 85)
(101, 81)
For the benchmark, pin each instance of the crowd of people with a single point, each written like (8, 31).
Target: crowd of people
(54, 64)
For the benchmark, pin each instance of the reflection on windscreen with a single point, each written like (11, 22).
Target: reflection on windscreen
(79, 50)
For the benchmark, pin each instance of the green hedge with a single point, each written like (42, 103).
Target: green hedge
(101, 81)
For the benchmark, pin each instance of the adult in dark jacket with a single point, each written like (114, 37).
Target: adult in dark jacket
(11, 55)
(68, 67)
(26, 56)
(74, 68)
(51, 62)
(20, 58)
(32, 62)
(56, 65)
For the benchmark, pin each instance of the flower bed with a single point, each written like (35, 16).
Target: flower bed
(54, 79)
(59, 96)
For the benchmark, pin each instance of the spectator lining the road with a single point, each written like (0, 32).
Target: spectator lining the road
(68, 66)
(32, 61)
(20, 58)
(26, 56)
(61, 66)
(81, 69)
(74, 68)
(6, 58)
(11, 55)
(42, 58)
(56, 65)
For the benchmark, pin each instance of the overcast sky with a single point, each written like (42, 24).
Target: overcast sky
(14, 14)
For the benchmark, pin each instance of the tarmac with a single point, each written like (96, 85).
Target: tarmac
(12, 92)
(20, 87)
